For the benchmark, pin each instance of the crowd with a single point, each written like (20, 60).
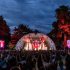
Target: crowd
(50, 60)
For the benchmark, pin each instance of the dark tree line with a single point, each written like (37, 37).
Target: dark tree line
(18, 32)
(60, 33)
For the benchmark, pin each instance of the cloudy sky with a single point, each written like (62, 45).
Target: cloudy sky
(38, 14)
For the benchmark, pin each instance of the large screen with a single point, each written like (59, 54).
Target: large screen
(68, 43)
(2, 43)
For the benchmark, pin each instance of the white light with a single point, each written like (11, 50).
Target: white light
(39, 48)
(26, 46)
(30, 46)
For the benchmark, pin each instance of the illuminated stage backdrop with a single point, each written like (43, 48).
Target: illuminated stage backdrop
(35, 42)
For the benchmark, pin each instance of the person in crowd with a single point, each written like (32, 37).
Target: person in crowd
(40, 63)
(61, 64)
(67, 62)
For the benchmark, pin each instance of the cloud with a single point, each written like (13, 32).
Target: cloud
(38, 14)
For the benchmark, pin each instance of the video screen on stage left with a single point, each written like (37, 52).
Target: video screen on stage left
(2, 44)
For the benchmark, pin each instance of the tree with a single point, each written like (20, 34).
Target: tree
(61, 28)
(4, 31)
(19, 32)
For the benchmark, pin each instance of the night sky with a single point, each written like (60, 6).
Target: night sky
(38, 14)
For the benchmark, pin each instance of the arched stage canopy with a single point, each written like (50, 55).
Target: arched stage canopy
(35, 42)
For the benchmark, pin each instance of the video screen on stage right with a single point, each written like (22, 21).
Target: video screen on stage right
(68, 43)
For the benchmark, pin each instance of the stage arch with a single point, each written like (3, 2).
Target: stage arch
(35, 42)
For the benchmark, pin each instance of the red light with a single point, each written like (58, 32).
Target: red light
(42, 39)
(35, 44)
